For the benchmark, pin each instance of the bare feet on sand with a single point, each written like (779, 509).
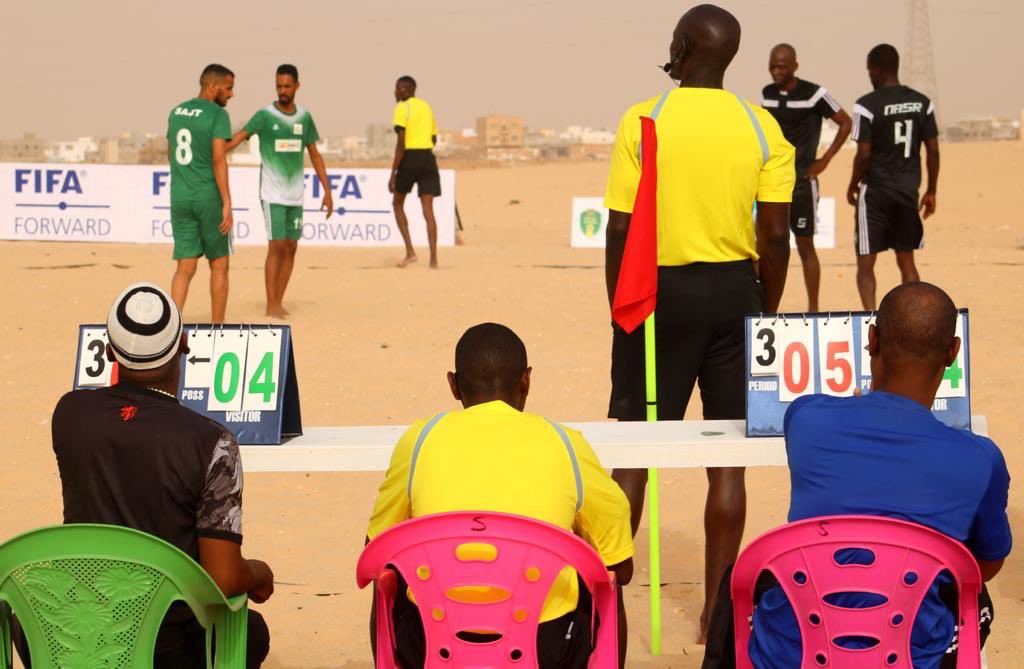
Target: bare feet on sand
(407, 260)
(277, 312)
(433, 263)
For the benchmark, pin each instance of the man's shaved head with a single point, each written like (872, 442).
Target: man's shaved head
(214, 73)
(885, 58)
(708, 37)
(782, 66)
(916, 325)
(783, 51)
(490, 359)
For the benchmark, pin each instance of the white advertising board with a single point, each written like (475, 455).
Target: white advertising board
(131, 203)
(589, 218)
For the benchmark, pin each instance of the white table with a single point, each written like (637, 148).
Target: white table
(638, 445)
(665, 444)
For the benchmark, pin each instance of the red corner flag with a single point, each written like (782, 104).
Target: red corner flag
(636, 291)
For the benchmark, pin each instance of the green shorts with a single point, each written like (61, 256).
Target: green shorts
(283, 221)
(196, 230)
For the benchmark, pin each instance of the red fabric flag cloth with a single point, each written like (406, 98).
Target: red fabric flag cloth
(637, 288)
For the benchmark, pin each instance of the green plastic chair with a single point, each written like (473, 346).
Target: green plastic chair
(93, 597)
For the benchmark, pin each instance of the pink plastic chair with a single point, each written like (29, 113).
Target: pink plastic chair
(907, 558)
(446, 557)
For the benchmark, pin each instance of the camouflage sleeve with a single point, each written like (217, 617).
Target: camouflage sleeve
(219, 514)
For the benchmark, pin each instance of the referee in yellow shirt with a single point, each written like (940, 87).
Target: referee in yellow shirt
(717, 154)
(414, 164)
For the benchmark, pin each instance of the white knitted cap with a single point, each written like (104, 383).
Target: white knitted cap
(143, 327)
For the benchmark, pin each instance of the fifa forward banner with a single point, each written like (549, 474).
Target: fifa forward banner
(589, 218)
(131, 203)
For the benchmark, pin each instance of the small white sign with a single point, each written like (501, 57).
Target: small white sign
(824, 227)
(589, 218)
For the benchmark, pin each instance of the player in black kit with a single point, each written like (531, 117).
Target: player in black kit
(889, 126)
(798, 106)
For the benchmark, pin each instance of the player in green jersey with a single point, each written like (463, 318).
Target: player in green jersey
(284, 130)
(197, 134)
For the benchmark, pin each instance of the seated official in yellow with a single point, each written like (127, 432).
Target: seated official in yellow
(491, 456)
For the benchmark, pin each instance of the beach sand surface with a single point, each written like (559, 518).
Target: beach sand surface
(373, 343)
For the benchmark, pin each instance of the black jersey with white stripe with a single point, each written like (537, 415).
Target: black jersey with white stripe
(799, 113)
(895, 120)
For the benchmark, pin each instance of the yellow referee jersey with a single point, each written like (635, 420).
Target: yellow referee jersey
(491, 457)
(417, 118)
(712, 166)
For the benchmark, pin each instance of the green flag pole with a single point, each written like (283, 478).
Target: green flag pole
(654, 536)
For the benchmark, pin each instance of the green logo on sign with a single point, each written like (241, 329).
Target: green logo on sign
(590, 222)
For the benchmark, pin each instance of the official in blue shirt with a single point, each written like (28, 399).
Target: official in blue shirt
(885, 454)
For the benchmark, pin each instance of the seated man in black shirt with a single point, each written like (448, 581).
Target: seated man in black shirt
(132, 455)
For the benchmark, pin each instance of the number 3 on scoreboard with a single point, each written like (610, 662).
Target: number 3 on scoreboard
(835, 357)
(764, 353)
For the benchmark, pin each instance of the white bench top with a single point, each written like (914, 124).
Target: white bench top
(665, 444)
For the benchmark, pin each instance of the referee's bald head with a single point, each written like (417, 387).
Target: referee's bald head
(916, 326)
(707, 36)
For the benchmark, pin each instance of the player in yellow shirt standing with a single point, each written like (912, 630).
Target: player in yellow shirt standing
(717, 155)
(414, 164)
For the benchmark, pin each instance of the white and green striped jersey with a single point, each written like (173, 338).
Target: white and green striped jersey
(283, 140)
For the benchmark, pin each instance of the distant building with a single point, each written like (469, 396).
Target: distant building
(29, 148)
(496, 131)
(981, 129)
(72, 151)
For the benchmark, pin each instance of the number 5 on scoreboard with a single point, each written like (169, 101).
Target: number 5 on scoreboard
(835, 357)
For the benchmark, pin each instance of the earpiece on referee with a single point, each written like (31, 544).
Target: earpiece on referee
(676, 55)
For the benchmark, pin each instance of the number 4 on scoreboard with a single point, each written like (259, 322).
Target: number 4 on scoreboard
(261, 370)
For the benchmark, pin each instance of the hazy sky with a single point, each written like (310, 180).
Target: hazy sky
(80, 68)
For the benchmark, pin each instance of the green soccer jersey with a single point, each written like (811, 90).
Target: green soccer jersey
(283, 139)
(191, 128)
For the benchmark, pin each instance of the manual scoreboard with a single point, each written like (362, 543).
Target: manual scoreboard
(791, 355)
(242, 376)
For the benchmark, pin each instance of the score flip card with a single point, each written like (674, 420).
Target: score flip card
(791, 355)
(242, 376)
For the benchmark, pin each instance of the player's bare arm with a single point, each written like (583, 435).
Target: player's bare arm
(773, 247)
(845, 123)
(860, 168)
(239, 137)
(931, 148)
(220, 175)
(321, 174)
(233, 574)
(615, 246)
(399, 154)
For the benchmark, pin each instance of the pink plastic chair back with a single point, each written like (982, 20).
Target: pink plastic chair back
(445, 558)
(907, 558)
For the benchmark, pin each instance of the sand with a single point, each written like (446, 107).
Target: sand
(373, 344)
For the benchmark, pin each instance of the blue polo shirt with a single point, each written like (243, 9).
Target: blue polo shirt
(886, 455)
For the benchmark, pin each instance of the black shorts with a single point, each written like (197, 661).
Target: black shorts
(698, 337)
(883, 222)
(419, 168)
(803, 213)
